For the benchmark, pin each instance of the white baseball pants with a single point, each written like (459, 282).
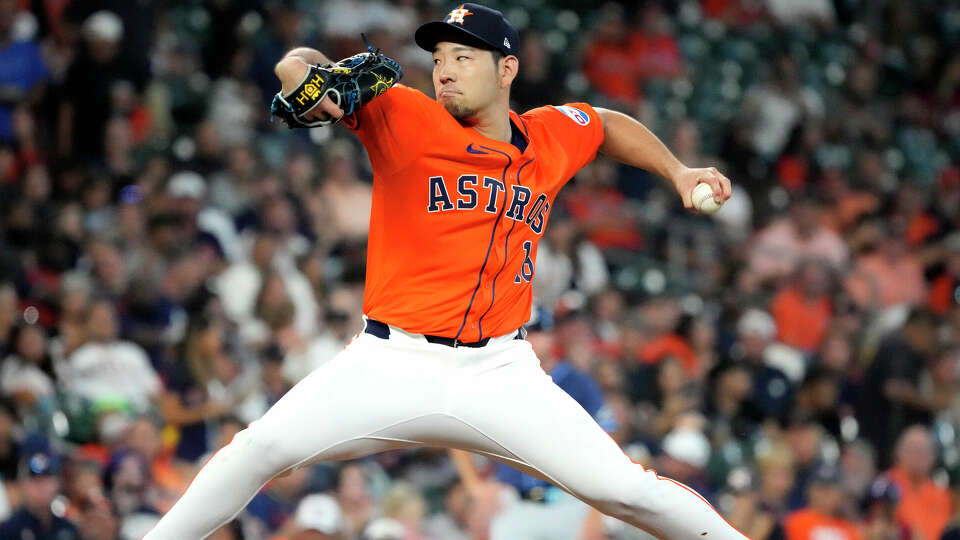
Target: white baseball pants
(382, 394)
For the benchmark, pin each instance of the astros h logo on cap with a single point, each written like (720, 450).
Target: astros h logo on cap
(457, 15)
(471, 24)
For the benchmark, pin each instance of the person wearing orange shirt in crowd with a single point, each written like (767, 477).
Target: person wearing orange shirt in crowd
(609, 63)
(822, 516)
(670, 346)
(618, 61)
(924, 506)
(601, 211)
(847, 203)
(803, 310)
(653, 46)
(910, 206)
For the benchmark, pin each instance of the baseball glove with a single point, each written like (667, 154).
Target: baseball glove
(351, 83)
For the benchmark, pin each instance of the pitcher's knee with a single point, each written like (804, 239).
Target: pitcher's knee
(634, 495)
(259, 449)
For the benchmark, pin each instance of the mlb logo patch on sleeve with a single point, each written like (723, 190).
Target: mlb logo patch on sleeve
(578, 116)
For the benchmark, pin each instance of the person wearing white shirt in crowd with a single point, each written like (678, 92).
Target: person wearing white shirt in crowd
(567, 262)
(240, 285)
(341, 325)
(106, 368)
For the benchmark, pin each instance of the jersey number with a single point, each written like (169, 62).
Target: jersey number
(526, 269)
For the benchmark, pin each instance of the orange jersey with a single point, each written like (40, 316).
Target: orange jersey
(456, 216)
(808, 524)
(924, 505)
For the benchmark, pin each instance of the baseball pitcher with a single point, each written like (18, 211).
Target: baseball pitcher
(463, 189)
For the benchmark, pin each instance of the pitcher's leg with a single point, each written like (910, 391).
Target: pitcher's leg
(329, 415)
(520, 408)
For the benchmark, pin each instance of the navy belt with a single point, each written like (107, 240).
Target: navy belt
(382, 331)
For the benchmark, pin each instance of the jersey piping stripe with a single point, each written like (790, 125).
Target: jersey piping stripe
(493, 235)
(506, 241)
(524, 124)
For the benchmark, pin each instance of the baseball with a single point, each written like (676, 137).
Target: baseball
(703, 199)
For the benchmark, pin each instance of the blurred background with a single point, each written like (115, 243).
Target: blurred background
(171, 262)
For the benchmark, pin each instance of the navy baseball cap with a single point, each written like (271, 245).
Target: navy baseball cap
(473, 25)
(40, 464)
(827, 475)
(882, 489)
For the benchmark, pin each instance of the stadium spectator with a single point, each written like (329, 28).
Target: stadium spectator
(653, 46)
(127, 483)
(537, 85)
(344, 199)
(865, 118)
(802, 310)
(337, 330)
(187, 192)
(451, 523)
(275, 505)
(94, 86)
(106, 368)
(287, 30)
(686, 452)
(776, 467)
(890, 388)
(879, 512)
(807, 440)
(945, 288)
(778, 248)
(317, 518)
(606, 217)
(186, 401)
(774, 109)
(818, 398)
(888, 276)
(771, 386)
(83, 484)
(35, 518)
(747, 512)
(924, 506)
(405, 504)
(823, 517)
(569, 263)
(27, 374)
(608, 63)
(671, 345)
(353, 495)
(23, 71)
(859, 467)
(941, 384)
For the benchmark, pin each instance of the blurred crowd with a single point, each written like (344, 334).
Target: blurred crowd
(172, 262)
